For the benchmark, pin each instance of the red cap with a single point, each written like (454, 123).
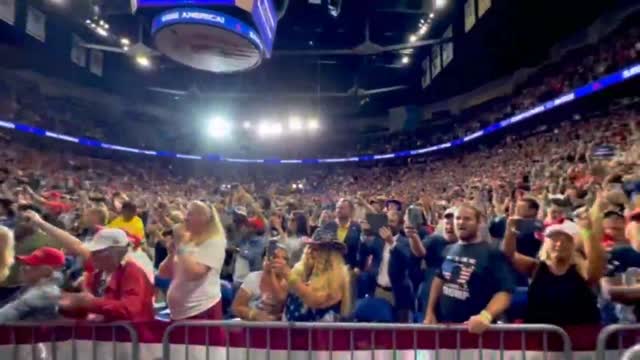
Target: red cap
(257, 223)
(44, 256)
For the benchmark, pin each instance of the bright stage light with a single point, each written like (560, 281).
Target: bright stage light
(313, 124)
(440, 3)
(125, 41)
(219, 128)
(405, 60)
(295, 124)
(268, 128)
(246, 125)
(413, 38)
(143, 61)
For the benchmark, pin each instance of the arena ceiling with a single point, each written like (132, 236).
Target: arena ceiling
(510, 35)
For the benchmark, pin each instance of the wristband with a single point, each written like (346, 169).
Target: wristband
(486, 317)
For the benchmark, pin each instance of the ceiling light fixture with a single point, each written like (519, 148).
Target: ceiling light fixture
(405, 60)
(102, 32)
(413, 38)
(125, 41)
(143, 61)
(440, 3)
(432, 15)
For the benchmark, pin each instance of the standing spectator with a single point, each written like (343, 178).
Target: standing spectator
(560, 290)
(7, 215)
(250, 244)
(386, 276)
(348, 231)
(128, 220)
(194, 263)
(42, 278)
(114, 288)
(297, 231)
(6, 252)
(474, 283)
(319, 285)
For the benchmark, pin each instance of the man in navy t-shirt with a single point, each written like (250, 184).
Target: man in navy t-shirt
(474, 283)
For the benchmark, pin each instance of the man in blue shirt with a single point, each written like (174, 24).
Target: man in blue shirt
(474, 283)
(42, 277)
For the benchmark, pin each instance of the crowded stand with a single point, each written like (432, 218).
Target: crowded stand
(535, 224)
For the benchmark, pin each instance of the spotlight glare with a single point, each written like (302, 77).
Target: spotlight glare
(440, 3)
(125, 41)
(423, 30)
(87, 21)
(246, 125)
(295, 124)
(405, 59)
(277, 129)
(264, 128)
(219, 128)
(432, 15)
(102, 32)
(313, 124)
(125, 48)
(143, 61)
(413, 38)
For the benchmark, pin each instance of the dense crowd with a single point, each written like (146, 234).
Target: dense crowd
(542, 228)
(537, 225)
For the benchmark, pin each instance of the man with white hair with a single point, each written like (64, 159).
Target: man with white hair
(115, 287)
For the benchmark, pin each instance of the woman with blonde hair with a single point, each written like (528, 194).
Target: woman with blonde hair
(561, 292)
(319, 286)
(194, 264)
(6, 252)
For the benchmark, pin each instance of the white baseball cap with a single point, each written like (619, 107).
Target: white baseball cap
(567, 227)
(107, 238)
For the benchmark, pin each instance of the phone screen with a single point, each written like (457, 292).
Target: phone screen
(376, 222)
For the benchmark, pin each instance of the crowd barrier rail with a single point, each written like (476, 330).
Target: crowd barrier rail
(68, 340)
(614, 339)
(632, 354)
(240, 340)
(235, 340)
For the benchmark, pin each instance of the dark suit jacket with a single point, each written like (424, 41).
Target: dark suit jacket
(352, 241)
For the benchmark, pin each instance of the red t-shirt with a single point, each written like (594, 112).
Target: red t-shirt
(128, 294)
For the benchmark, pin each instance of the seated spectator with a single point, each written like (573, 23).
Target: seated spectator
(474, 283)
(194, 263)
(561, 280)
(39, 298)
(263, 293)
(128, 220)
(319, 286)
(115, 288)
